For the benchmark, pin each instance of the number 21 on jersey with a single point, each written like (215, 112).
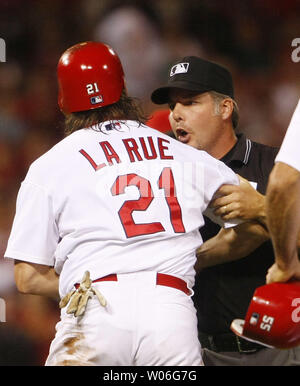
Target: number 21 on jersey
(165, 182)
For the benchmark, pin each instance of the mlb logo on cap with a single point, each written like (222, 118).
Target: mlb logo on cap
(96, 99)
(195, 74)
(180, 68)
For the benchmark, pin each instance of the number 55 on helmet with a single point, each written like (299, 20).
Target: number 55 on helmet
(273, 316)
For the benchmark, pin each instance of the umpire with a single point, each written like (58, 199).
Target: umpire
(223, 292)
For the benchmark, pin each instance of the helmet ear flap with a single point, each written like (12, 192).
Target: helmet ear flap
(90, 75)
(273, 316)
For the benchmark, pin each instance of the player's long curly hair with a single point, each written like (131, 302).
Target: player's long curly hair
(127, 108)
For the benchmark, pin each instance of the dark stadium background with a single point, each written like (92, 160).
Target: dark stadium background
(252, 38)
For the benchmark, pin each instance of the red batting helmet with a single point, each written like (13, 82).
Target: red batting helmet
(90, 75)
(273, 316)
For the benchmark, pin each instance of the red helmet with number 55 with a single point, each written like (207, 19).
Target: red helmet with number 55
(90, 75)
(273, 316)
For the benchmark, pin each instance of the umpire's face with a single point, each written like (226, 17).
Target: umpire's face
(194, 119)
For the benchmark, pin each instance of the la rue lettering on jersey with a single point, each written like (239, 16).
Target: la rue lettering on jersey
(143, 149)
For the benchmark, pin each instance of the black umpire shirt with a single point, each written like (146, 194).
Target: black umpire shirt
(223, 292)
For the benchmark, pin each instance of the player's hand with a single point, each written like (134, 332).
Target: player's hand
(277, 274)
(78, 299)
(239, 202)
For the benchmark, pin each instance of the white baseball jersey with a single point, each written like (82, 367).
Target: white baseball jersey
(124, 199)
(289, 151)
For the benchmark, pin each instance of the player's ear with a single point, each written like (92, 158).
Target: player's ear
(226, 108)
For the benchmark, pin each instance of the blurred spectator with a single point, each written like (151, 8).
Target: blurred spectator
(135, 38)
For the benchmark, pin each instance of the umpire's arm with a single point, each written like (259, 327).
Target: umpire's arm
(36, 279)
(231, 244)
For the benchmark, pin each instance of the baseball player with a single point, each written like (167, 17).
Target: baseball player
(108, 219)
(283, 205)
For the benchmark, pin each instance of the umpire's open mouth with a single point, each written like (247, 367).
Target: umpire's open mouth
(182, 135)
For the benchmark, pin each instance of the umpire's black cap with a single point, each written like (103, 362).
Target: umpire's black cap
(195, 74)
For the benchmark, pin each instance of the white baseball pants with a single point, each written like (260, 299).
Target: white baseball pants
(143, 324)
